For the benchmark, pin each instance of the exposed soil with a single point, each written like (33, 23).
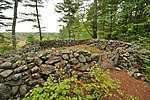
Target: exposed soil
(129, 85)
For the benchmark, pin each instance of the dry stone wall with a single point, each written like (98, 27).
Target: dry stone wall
(21, 70)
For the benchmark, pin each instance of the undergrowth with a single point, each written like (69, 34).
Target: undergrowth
(97, 86)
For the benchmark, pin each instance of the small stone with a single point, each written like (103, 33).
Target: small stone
(1, 70)
(131, 73)
(38, 61)
(65, 52)
(1, 79)
(33, 82)
(6, 65)
(36, 75)
(47, 69)
(35, 69)
(57, 53)
(138, 75)
(4, 91)
(88, 59)
(74, 61)
(95, 57)
(82, 59)
(84, 68)
(54, 60)
(16, 76)
(14, 90)
(6, 73)
(65, 56)
(118, 69)
(23, 89)
(20, 69)
(14, 83)
(76, 55)
(30, 59)
(17, 64)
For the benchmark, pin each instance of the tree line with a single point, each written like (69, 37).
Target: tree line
(110, 19)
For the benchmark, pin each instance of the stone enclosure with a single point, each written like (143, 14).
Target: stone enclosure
(21, 70)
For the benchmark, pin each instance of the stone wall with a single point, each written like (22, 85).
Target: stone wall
(21, 70)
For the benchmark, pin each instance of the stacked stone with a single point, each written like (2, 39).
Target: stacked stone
(21, 72)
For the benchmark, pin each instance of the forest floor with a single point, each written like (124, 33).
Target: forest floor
(130, 85)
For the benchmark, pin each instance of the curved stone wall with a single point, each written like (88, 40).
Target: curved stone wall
(21, 70)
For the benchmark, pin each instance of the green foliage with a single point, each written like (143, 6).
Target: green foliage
(145, 60)
(5, 48)
(30, 38)
(97, 86)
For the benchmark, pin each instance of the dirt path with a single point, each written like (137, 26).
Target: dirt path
(130, 85)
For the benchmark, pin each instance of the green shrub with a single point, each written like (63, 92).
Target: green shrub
(97, 86)
(30, 38)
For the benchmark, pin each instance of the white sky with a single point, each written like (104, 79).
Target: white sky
(48, 15)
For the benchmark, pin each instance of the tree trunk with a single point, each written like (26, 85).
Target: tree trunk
(14, 25)
(39, 26)
(95, 21)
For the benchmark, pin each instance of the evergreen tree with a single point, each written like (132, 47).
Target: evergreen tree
(68, 8)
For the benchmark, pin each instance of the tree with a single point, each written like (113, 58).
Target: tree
(14, 23)
(68, 9)
(95, 20)
(33, 16)
(5, 20)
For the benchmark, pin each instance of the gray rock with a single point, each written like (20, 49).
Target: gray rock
(6, 65)
(16, 76)
(1, 79)
(6, 73)
(38, 61)
(57, 53)
(20, 69)
(31, 65)
(65, 51)
(63, 64)
(17, 64)
(138, 75)
(30, 59)
(33, 82)
(117, 68)
(14, 90)
(4, 91)
(1, 70)
(131, 73)
(82, 59)
(54, 60)
(74, 61)
(95, 57)
(47, 69)
(35, 69)
(76, 55)
(84, 68)
(88, 59)
(14, 83)
(65, 56)
(23, 89)
(36, 75)
(116, 58)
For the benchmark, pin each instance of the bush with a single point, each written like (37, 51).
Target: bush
(30, 38)
(98, 86)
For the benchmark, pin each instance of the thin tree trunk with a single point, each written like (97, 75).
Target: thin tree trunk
(69, 24)
(39, 26)
(14, 25)
(95, 21)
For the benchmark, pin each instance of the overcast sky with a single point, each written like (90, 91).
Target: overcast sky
(48, 15)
